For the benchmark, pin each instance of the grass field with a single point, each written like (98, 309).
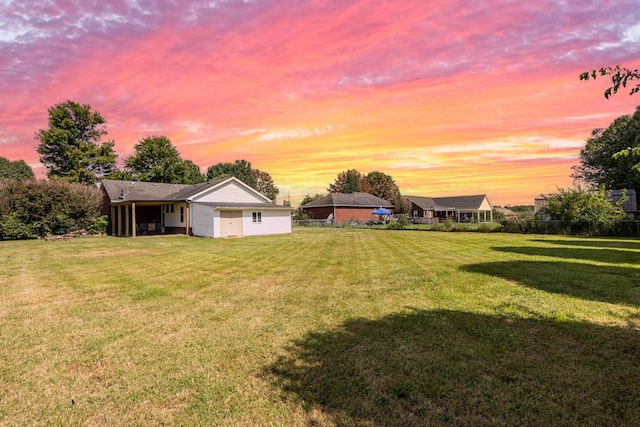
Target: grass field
(321, 327)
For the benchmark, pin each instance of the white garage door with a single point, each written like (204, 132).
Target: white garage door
(230, 223)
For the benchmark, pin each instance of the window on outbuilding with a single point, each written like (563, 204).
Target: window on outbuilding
(257, 217)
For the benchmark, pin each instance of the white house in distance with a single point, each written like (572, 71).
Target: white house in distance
(430, 210)
(222, 208)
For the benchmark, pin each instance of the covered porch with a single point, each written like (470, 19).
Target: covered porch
(131, 219)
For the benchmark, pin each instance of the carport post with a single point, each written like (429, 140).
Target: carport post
(133, 219)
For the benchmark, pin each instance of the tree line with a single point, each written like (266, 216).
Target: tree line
(73, 149)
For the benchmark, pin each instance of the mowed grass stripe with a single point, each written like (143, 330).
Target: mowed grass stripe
(333, 327)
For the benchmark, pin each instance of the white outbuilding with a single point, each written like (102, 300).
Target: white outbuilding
(222, 208)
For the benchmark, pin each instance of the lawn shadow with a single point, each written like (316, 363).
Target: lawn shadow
(617, 256)
(431, 368)
(612, 284)
(595, 242)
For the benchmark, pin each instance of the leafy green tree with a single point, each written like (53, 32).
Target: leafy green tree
(18, 169)
(241, 169)
(599, 163)
(71, 148)
(265, 184)
(255, 178)
(577, 206)
(120, 175)
(220, 171)
(190, 173)
(157, 160)
(384, 186)
(619, 78)
(350, 181)
(308, 198)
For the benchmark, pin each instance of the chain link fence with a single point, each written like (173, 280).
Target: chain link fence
(629, 228)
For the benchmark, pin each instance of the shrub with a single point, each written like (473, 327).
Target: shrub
(517, 226)
(584, 212)
(12, 227)
(487, 227)
(33, 208)
(395, 226)
(400, 223)
(98, 225)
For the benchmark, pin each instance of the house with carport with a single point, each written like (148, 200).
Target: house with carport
(221, 208)
(431, 210)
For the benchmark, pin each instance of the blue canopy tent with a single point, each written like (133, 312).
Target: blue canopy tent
(381, 211)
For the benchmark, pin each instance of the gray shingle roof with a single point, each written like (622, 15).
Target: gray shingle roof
(192, 190)
(138, 191)
(364, 200)
(443, 203)
(461, 202)
(426, 203)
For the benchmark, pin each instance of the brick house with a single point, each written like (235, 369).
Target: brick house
(346, 208)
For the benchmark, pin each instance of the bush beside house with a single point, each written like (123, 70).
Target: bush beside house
(37, 208)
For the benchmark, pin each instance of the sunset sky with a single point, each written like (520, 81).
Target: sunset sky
(454, 97)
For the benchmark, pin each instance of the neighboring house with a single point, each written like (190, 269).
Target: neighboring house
(539, 203)
(345, 207)
(631, 205)
(460, 209)
(508, 213)
(222, 208)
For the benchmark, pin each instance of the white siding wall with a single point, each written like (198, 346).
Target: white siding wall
(172, 219)
(273, 222)
(230, 192)
(205, 222)
(215, 218)
(202, 220)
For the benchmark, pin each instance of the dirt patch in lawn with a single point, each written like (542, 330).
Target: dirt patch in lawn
(111, 252)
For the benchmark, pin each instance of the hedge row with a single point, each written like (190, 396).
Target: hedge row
(37, 208)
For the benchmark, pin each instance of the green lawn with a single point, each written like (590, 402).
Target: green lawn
(321, 327)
